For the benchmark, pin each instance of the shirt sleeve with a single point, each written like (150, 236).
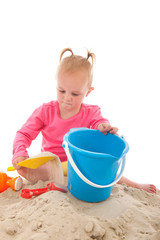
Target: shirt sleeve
(28, 133)
(97, 118)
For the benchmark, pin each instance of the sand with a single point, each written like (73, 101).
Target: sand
(127, 214)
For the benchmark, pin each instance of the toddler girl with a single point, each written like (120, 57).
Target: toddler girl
(56, 118)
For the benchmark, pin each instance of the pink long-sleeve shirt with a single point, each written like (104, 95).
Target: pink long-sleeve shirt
(47, 120)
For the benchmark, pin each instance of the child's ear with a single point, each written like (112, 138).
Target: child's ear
(89, 91)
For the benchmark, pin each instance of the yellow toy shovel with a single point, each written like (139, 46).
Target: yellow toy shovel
(39, 160)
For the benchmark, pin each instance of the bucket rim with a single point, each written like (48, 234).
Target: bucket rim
(91, 153)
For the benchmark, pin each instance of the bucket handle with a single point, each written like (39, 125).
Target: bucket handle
(65, 145)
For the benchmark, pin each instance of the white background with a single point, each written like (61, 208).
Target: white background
(124, 35)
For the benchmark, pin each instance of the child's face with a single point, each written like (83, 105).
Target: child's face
(71, 90)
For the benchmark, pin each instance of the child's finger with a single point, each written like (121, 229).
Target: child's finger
(16, 166)
(107, 128)
(16, 161)
(113, 130)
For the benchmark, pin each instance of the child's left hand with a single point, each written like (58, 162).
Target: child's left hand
(106, 127)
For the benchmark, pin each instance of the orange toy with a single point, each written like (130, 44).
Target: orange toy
(6, 182)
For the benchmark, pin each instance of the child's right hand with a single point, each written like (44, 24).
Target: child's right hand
(17, 160)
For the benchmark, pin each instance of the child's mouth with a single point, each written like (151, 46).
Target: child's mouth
(67, 103)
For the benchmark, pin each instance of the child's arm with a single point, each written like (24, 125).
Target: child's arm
(106, 127)
(26, 135)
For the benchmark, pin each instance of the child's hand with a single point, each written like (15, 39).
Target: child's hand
(106, 127)
(17, 160)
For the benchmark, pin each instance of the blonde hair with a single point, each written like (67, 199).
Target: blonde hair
(73, 63)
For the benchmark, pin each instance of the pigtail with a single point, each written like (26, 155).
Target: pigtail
(92, 56)
(65, 50)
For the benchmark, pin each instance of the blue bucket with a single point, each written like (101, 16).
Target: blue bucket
(94, 160)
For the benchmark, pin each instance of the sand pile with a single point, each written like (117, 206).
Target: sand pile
(127, 214)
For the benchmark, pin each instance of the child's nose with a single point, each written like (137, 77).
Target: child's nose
(67, 97)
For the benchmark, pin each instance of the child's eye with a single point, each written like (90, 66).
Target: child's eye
(61, 91)
(75, 94)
